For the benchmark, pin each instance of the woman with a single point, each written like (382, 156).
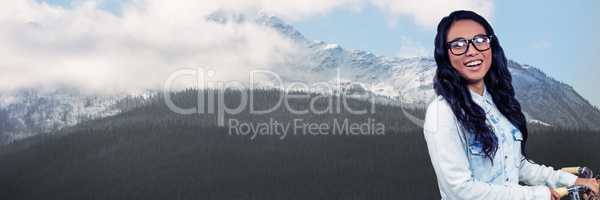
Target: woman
(475, 129)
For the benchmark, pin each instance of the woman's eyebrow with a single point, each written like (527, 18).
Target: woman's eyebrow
(457, 38)
(466, 38)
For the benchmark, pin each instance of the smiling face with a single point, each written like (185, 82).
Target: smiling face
(474, 64)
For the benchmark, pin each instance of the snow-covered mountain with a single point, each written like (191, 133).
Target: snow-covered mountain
(404, 81)
(545, 101)
(27, 112)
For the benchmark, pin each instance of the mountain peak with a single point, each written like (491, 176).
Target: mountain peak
(260, 18)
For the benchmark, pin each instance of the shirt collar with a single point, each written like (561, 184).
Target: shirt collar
(484, 101)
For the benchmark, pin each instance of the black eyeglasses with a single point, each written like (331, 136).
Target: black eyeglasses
(460, 46)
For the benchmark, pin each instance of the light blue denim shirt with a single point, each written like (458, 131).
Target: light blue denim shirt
(463, 171)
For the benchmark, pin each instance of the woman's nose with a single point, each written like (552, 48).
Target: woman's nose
(472, 51)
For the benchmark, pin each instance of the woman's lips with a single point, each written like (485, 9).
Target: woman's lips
(474, 68)
(473, 62)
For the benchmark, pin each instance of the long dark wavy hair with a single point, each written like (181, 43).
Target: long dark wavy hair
(453, 87)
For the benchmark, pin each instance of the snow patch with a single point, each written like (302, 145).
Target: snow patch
(535, 121)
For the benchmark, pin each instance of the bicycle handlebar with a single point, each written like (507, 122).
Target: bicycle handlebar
(583, 172)
(562, 191)
(572, 170)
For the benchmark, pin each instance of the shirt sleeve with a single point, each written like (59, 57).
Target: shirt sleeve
(451, 166)
(536, 174)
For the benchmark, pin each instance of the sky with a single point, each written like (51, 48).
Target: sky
(557, 37)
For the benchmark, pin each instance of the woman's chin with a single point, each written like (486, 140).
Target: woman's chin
(474, 78)
(477, 73)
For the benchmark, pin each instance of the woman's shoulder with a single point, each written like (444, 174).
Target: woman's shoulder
(438, 111)
(438, 103)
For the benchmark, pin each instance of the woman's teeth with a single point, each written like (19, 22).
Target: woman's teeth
(473, 63)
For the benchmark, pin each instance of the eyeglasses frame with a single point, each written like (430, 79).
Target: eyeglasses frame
(469, 42)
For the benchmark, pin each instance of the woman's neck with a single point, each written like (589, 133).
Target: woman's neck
(477, 87)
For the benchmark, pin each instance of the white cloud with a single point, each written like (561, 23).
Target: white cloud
(90, 47)
(427, 13)
(293, 9)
